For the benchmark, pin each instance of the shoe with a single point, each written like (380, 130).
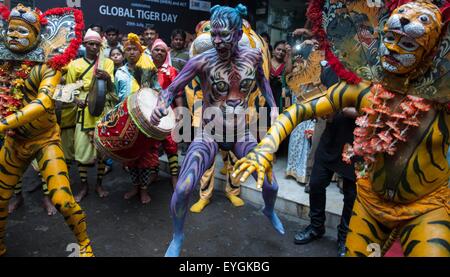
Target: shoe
(341, 249)
(308, 234)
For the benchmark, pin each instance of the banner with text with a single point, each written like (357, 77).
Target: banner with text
(134, 16)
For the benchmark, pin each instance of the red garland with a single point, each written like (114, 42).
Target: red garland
(42, 19)
(59, 61)
(314, 14)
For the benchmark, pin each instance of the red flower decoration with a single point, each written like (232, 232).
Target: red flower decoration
(4, 12)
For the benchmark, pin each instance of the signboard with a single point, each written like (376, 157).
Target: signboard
(134, 16)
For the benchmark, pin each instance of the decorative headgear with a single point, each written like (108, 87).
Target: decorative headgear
(425, 20)
(161, 43)
(53, 50)
(134, 39)
(92, 35)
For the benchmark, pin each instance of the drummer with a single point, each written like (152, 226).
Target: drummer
(166, 74)
(83, 69)
(138, 72)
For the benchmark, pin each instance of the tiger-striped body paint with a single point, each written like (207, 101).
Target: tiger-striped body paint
(38, 136)
(219, 70)
(407, 190)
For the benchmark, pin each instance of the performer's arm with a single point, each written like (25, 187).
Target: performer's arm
(40, 105)
(186, 75)
(338, 96)
(167, 96)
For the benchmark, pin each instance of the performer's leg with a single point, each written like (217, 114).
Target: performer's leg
(83, 172)
(134, 174)
(11, 170)
(54, 170)
(145, 181)
(171, 149)
(427, 235)
(48, 205)
(224, 155)
(349, 190)
(269, 191)
(232, 186)
(199, 158)
(152, 160)
(101, 167)
(18, 200)
(206, 189)
(363, 231)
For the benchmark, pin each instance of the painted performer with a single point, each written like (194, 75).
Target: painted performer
(229, 73)
(402, 138)
(30, 52)
(194, 98)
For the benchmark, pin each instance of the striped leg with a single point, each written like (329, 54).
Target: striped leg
(269, 190)
(365, 234)
(11, 170)
(53, 168)
(427, 235)
(199, 157)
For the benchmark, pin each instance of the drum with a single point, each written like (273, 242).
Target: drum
(124, 132)
(141, 106)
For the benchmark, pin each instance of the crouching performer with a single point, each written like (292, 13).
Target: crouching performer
(228, 74)
(32, 55)
(401, 138)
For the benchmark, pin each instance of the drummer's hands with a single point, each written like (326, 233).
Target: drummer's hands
(80, 103)
(257, 160)
(159, 112)
(102, 75)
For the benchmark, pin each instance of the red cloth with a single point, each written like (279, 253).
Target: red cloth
(169, 146)
(166, 75)
(277, 72)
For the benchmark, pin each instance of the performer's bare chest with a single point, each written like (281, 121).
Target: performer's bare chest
(230, 79)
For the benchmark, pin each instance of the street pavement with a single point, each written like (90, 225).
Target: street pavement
(126, 228)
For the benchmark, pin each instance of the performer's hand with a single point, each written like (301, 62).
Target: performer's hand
(256, 160)
(80, 103)
(159, 112)
(103, 75)
(302, 31)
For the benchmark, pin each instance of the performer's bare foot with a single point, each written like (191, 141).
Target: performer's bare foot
(145, 197)
(132, 193)
(2, 250)
(83, 192)
(48, 206)
(101, 191)
(15, 203)
(174, 181)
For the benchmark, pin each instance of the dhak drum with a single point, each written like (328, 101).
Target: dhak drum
(125, 132)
